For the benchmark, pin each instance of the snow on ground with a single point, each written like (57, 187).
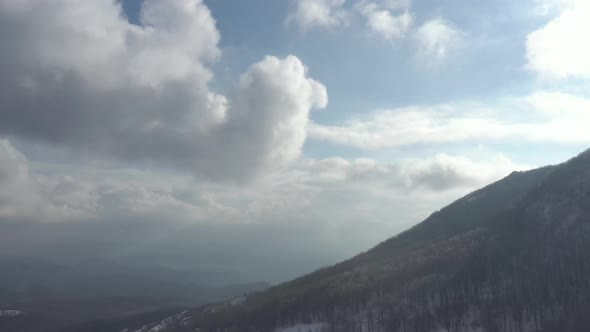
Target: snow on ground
(313, 327)
(10, 313)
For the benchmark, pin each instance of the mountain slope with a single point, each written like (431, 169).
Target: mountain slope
(513, 256)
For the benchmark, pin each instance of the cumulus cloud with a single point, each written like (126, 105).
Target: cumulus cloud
(436, 38)
(542, 117)
(309, 14)
(266, 127)
(385, 21)
(558, 49)
(80, 75)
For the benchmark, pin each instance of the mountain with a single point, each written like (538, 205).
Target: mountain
(513, 256)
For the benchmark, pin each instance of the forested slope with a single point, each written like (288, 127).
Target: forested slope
(513, 256)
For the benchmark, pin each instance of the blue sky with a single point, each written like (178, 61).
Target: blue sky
(331, 124)
(364, 72)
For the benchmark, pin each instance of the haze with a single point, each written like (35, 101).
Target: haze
(259, 140)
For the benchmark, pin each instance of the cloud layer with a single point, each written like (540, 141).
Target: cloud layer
(80, 75)
(129, 104)
(540, 117)
(312, 188)
(315, 213)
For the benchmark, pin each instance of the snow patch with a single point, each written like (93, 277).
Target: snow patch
(11, 313)
(313, 327)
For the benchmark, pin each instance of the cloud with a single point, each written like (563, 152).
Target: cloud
(545, 8)
(366, 197)
(310, 14)
(268, 229)
(384, 22)
(14, 180)
(439, 173)
(79, 75)
(448, 172)
(541, 117)
(309, 187)
(266, 127)
(436, 38)
(390, 20)
(558, 49)
(21, 196)
(345, 192)
(82, 194)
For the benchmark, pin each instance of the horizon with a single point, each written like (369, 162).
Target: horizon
(261, 141)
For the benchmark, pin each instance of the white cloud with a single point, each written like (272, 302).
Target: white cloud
(389, 19)
(384, 21)
(354, 194)
(312, 188)
(78, 194)
(436, 38)
(544, 8)
(448, 172)
(78, 74)
(318, 13)
(350, 205)
(271, 230)
(559, 49)
(14, 180)
(439, 173)
(540, 117)
(266, 127)
(21, 197)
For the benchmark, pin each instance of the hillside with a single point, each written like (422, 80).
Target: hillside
(513, 256)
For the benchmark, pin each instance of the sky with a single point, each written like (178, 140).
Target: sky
(270, 138)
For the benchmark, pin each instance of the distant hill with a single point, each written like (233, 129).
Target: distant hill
(97, 295)
(513, 256)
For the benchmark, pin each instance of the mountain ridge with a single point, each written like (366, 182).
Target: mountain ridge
(512, 256)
